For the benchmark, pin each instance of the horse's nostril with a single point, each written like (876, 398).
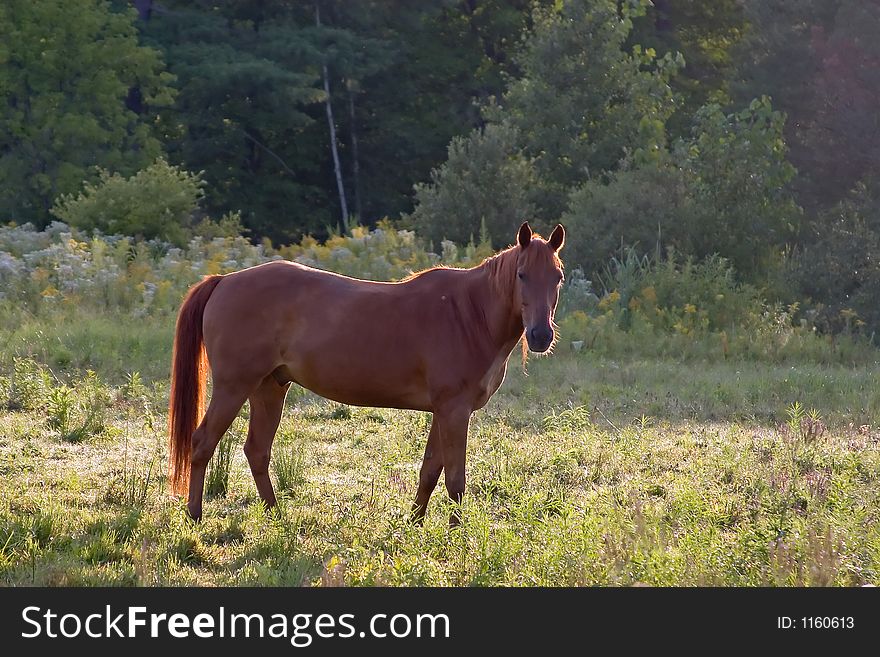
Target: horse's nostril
(539, 337)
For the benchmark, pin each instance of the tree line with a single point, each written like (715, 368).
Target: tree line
(742, 128)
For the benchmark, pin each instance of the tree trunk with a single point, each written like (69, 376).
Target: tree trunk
(336, 165)
(355, 164)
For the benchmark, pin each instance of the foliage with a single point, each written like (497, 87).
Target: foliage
(585, 99)
(157, 202)
(246, 76)
(738, 171)
(60, 269)
(816, 59)
(708, 35)
(71, 70)
(839, 272)
(484, 183)
(402, 80)
(79, 411)
(678, 295)
(721, 191)
(645, 207)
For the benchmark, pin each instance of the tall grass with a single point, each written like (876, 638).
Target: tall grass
(288, 463)
(219, 468)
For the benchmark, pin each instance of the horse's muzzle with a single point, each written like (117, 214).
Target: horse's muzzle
(539, 338)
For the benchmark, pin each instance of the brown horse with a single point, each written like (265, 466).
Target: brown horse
(438, 341)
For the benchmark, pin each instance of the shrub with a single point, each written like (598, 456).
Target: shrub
(721, 191)
(485, 181)
(157, 202)
(640, 207)
(708, 286)
(677, 295)
(59, 269)
(840, 273)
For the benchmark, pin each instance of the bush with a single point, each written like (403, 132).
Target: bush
(707, 289)
(157, 202)
(485, 181)
(44, 272)
(721, 191)
(840, 272)
(641, 207)
(678, 295)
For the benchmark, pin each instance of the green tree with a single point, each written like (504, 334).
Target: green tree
(582, 103)
(403, 78)
(444, 61)
(70, 73)
(485, 181)
(246, 74)
(739, 176)
(723, 190)
(585, 99)
(818, 60)
(708, 35)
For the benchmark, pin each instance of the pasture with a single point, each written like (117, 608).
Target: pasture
(593, 469)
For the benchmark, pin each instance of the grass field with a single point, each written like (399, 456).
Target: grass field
(588, 471)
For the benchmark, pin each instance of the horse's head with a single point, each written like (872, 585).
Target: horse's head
(538, 279)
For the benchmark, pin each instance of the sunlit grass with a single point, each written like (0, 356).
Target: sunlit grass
(585, 472)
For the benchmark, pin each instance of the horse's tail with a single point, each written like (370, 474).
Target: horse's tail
(189, 369)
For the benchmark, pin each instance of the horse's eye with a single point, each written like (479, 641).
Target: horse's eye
(521, 276)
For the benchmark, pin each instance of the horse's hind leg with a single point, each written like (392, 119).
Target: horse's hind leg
(226, 402)
(267, 403)
(432, 464)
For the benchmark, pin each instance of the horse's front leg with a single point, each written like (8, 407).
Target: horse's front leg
(432, 464)
(454, 421)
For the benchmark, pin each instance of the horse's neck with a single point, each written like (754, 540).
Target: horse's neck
(503, 319)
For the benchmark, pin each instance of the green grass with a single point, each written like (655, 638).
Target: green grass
(588, 471)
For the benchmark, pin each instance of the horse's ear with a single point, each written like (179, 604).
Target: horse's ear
(557, 237)
(524, 237)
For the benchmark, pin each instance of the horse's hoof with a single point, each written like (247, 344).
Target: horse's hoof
(195, 516)
(417, 515)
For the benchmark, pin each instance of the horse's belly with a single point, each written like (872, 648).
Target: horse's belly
(373, 381)
(378, 396)
(412, 401)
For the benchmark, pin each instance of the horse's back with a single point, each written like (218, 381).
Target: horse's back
(355, 341)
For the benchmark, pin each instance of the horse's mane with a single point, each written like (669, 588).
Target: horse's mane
(501, 267)
(502, 270)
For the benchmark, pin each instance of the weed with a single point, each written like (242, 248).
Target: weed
(79, 413)
(288, 465)
(217, 477)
